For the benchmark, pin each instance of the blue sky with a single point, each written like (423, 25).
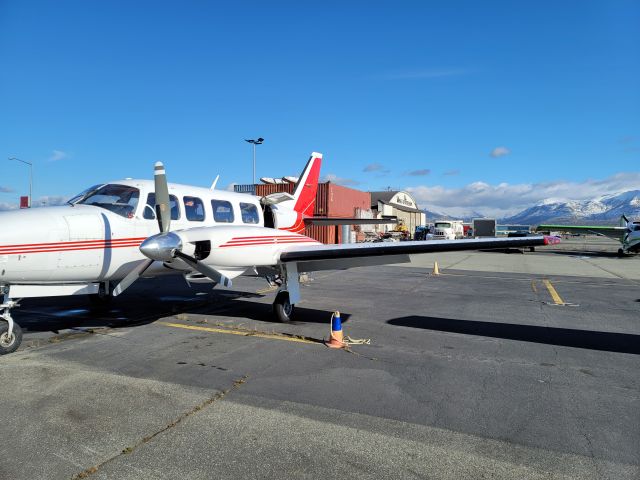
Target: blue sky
(404, 94)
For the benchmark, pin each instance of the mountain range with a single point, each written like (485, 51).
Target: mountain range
(602, 210)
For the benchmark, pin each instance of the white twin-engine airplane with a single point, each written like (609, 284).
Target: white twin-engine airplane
(107, 237)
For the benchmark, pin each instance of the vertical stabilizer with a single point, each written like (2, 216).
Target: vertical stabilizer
(304, 194)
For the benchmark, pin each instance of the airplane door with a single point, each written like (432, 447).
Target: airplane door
(87, 231)
(269, 220)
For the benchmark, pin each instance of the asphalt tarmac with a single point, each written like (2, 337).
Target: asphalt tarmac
(483, 372)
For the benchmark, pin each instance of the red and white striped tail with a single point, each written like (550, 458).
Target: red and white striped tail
(304, 195)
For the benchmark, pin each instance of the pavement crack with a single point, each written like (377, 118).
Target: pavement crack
(131, 448)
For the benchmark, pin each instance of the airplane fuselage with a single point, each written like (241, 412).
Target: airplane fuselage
(99, 242)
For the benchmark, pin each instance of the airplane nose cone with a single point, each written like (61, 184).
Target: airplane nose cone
(160, 247)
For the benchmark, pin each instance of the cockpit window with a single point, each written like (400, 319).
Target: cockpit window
(120, 199)
(84, 193)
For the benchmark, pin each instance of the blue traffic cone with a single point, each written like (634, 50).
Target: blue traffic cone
(336, 340)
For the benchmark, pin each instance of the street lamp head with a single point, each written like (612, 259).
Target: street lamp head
(18, 160)
(255, 142)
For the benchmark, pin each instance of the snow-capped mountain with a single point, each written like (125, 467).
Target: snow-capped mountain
(602, 210)
(605, 209)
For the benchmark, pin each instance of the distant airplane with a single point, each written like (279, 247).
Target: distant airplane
(627, 233)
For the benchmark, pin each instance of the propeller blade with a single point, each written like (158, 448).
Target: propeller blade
(131, 277)
(163, 210)
(203, 269)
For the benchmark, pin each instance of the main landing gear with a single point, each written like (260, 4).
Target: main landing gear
(288, 293)
(10, 332)
(282, 307)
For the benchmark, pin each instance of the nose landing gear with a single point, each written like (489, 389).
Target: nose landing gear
(10, 332)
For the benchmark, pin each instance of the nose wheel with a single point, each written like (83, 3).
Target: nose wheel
(9, 341)
(10, 332)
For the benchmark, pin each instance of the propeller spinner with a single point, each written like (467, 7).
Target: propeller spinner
(166, 246)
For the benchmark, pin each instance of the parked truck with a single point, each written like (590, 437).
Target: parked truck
(448, 230)
(484, 227)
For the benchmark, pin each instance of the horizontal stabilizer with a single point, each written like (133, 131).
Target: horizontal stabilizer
(275, 198)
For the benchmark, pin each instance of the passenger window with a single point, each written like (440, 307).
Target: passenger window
(222, 211)
(193, 209)
(249, 213)
(150, 207)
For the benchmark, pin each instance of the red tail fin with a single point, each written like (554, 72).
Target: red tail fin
(304, 195)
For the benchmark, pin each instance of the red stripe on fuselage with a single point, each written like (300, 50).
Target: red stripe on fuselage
(70, 246)
(265, 243)
(77, 242)
(94, 247)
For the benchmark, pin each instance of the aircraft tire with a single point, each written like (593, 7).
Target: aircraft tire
(282, 308)
(620, 252)
(9, 345)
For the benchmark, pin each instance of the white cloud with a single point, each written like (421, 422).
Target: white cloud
(506, 199)
(58, 155)
(44, 201)
(5, 189)
(500, 152)
(333, 178)
(4, 206)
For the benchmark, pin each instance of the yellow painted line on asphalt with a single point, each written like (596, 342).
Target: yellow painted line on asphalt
(556, 298)
(534, 287)
(244, 333)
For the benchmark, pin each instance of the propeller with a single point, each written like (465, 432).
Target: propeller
(206, 270)
(163, 212)
(165, 246)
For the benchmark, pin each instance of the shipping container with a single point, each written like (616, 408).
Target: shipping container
(343, 201)
(327, 234)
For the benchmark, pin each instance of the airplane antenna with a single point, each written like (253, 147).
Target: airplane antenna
(215, 182)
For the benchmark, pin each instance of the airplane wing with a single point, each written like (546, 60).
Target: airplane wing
(611, 232)
(335, 257)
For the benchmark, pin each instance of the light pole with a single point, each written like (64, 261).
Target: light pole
(30, 175)
(255, 142)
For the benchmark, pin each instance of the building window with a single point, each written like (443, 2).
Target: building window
(249, 213)
(193, 209)
(222, 211)
(150, 207)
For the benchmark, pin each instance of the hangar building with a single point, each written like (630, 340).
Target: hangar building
(400, 205)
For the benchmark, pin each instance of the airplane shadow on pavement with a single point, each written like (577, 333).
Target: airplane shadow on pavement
(592, 340)
(53, 314)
